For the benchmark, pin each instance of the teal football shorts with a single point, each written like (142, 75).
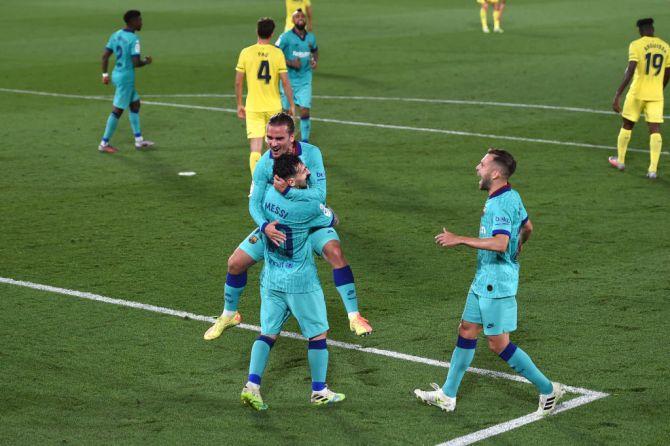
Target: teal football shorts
(497, 316)
(308, 308)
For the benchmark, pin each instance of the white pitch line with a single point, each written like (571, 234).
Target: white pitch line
(419, 100)
(586, 397)
(353, 123)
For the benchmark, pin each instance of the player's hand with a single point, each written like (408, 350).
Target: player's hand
(447, 239)
(518, 251)
(295, 63)
(615, 105)
(241, 112)
(105, 78)
(309, 27)
(148, 60)
(313, 64)
(280, 184)
(291, 110)
(276, 236)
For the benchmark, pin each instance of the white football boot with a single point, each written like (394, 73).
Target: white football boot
(651, 175)
(141, 143)
(548, 403)
(436, 398)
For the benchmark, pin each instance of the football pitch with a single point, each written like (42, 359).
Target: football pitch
(99, 253)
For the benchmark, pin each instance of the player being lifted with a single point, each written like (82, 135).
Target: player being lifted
(290, 284)
(325, 242)
(491, 301)
(498, 7)
(262, 65)
(649, 67)
(125, 45)
(302, 54)
(294, 5)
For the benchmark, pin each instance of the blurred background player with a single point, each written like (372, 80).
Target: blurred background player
(294, 5)
(498, 7)
(290, 285)
(125, 45)
(262, 65)
(649, 67)
(491, 302)
(302, 55)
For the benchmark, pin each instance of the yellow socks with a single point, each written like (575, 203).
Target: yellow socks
(482, 16)
(655, 144)
(622, 145)
(496, 19)
(253, 160)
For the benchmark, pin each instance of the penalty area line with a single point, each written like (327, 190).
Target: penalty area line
(586, 395)
(351, 123)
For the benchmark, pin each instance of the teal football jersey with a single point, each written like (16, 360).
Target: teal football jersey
(290, 267)
(498, 272)
(124, 44)
(263, 179)
(296, 47)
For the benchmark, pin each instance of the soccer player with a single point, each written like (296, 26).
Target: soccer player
(649, 67)
(125, 45)
(262, 65)
(290, 284)
(325, 242)
(498, 7)
(294, 5)
(491, 301)
(302, 55)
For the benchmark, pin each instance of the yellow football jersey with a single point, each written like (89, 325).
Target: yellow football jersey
(652, 56)
(291, 6)
(262, 65)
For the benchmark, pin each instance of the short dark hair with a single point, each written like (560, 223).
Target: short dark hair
(505, 160)
(286, 166)
(282, 118)
(265, 27)
(130, 15)
(643, 23)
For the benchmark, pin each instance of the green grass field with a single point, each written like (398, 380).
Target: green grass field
(595, 277)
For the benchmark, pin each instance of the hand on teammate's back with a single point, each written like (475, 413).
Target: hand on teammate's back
(274, 234)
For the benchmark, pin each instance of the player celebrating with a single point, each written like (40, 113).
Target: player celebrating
(125, 45)
(290, 285)
(294, 5)
(302, 55)
(498, 7)
(649, 67)
(263, 65)
(325, 242)
(491, 302)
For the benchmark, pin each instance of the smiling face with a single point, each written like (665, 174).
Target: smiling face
(299, 20)
(487, 171)
(278, 139)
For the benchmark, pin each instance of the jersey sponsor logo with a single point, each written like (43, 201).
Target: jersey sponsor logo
(271, 207)
(277, 264)
(502, 220)
(327, 212)
(321, 174)
(301, 53)
(137, 46)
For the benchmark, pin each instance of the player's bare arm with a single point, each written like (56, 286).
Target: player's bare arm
(524, 234)
(239, 83)
(666, 77)
(105, 65)
(310, 19)
(139, 62)
(628, 75)
(497, 243)
(287, 89)
(315, 59)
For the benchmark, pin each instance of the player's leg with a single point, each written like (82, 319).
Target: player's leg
(256, 123)
(326, 243)
(497, 16)
(303, 99)
(274, 312)
(134, 118)
(247, 254)
(499, 318)
(629, 115)
(310, 311)
(461, 358)
(654, 118)
(110, 128)
(482, 15)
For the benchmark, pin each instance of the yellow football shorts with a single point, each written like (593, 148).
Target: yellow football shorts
(633, 107)
(257, 122)
(491, 2)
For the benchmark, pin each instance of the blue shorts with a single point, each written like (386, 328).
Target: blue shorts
(308, 308)
(497, 316)
(254, 244)
(125, 95)
(302, 96)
